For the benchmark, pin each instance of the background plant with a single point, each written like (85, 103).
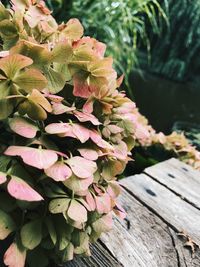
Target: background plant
(175, 52)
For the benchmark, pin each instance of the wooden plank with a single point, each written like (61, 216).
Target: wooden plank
(179, 177)
(146, 242)
(175, 211)
(100, 258)
(184, 255)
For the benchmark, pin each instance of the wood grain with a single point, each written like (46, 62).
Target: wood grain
(148, 236)
(184, 255)
(179, 177)
(100, 258)
(175, 211)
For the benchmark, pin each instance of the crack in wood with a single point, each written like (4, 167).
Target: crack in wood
(173, 191)
(174, 245)
(150, 209)
(111, 254)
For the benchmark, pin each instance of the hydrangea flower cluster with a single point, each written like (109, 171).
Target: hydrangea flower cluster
(175, 142)
(66, 134)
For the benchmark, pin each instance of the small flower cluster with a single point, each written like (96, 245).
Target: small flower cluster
(66, 134)
(174, 142)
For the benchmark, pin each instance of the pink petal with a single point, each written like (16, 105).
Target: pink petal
(82, 133)
(85, 204)
(87, 153)
(77, 212)
(81, 87)
(23, 127)
(97, 190)
(114, 129)
(98, 140)
(114, 189)
(59, 108)
(57, 128)
(119, 211)
(88, 106)
(14, 257)
(68, 134)
(59, 171)
(103, 203)
(54, 98)
(83, 117)
(79, 186)
(120, 80)
(91, 202)
(120, 151)
(19, 189)
(81, 167)
(3, 177)
(38, 158)
(4, 53)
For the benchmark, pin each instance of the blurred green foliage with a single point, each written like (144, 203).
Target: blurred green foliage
(175, 54)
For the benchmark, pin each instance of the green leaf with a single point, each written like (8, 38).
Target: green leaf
(62, 52)
(12, 64)
(73, 30)
(56, 81)
(38, 98)
(63, 69)
(75, 239)
(64, 231)
(35, 111)
(39, 54)
(6, 108)
(104, 224)
(9, 42)
(84, 244)
(37, 257)
(8, 29)
(4, 13)
(47, 244)
(68, 254)
(63, 242)
(7, 203)
(31, 79)
(31, 234)
(4, 161)
(77, 212)
(53, 191)
(59, 205)
(7, 225)
(111, 168)
(51, 229)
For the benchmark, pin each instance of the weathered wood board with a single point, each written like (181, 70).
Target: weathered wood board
(179, 214)
(179, 177)
(156, 210)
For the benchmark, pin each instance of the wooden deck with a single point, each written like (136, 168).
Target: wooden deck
(162, 228)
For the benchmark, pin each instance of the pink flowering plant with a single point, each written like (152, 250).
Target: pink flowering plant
(66, 135)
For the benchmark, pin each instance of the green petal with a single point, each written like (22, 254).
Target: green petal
(4, 89)
(6, 107)
(56, 81)
(12, 64)
(7, 225)
(31, 79)
(31, 234)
